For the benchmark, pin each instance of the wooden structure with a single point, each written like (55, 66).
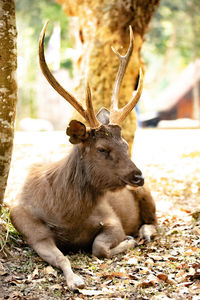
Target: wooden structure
(177, 100)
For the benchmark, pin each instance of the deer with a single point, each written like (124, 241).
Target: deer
(94, 198)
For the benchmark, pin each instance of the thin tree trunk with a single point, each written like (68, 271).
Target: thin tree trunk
(8, 88)
(99, 25)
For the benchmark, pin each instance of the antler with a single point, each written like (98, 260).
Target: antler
(88, 113)
(117, 115)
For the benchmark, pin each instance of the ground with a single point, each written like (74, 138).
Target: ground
(166, 268)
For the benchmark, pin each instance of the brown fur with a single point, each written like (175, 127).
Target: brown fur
(83, 201)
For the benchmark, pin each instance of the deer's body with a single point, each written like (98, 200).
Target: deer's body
(74, 220)
(93, 198)
(75, 204)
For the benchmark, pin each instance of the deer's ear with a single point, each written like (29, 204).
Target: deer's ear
(77, 132)
(103, 116)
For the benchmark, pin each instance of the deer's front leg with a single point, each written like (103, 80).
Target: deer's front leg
(112, 240)
(39, 237)
(48, 251)
(148, 216)
(147, 231)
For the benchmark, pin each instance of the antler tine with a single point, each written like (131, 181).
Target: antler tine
(124, 60)
(117, 115)
(123, 112)
(55, 84)
(92, 118)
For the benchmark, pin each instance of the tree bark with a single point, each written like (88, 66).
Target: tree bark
(8, 88)
(99, 25)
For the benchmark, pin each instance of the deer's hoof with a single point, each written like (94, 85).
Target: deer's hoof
(75, 283)
(147, 231)
(129, 239)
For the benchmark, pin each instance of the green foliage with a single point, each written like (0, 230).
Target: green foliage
(68, 65)
(8, 233)
(31, 16)
(180, 19)
(5, 216)
(173, 40)
(35, 13)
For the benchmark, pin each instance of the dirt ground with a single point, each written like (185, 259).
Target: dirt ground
(166, 268)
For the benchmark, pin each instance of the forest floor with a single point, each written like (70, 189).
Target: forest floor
(166, 268)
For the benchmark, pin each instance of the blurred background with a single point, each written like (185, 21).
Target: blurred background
(170, 52)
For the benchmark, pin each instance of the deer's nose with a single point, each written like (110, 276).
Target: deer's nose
(137, 178)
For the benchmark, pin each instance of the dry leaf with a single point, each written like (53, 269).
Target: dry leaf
(3, 272)
(155, 256)
(150, 281)
(196, 231)
(162, 277)
(103, 266)
(144, 271)
(16, 295)
(132, 261)
(149, 262)
(195, 276)
(90, 292)
(172, 231)
(35, 273)
(165, 278)
(50, 271)
(56, 287)
(115, 275)
(196, 214)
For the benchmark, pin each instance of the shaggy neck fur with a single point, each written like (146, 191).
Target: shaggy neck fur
(73, 192)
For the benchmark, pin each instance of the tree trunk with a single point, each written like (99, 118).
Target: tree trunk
(8, 87)
(99, 25)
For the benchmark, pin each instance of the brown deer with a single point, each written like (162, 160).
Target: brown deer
(94, 198)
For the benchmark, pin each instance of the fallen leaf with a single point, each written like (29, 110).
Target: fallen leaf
(149, 262)
(172, 258)
(3, 272)
(50, 271)
(180, 273)
(162, 277)
(196, 215)
(132, 261)
(165, 278)
(195, 276)
(90, 292)
(115, 275)
(155, 256)
(144, 271)
(172, 231)
(35, 273)
(196, 265)
(186, 283)
(185, 210)
(16, 295)
(150, 281)
(196, 231)
(103, 266)
(56, 287)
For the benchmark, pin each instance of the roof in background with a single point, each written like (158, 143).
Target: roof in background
(184, 82)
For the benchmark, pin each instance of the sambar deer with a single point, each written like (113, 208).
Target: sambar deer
(94, 198)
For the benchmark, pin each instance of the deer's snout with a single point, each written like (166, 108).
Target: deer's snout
(135, 178)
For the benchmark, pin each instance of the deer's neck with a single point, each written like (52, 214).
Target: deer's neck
(71, 188)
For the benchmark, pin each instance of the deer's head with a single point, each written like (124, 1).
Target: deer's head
(102, 148)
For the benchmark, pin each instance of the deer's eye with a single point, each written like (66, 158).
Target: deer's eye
(103, 150)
